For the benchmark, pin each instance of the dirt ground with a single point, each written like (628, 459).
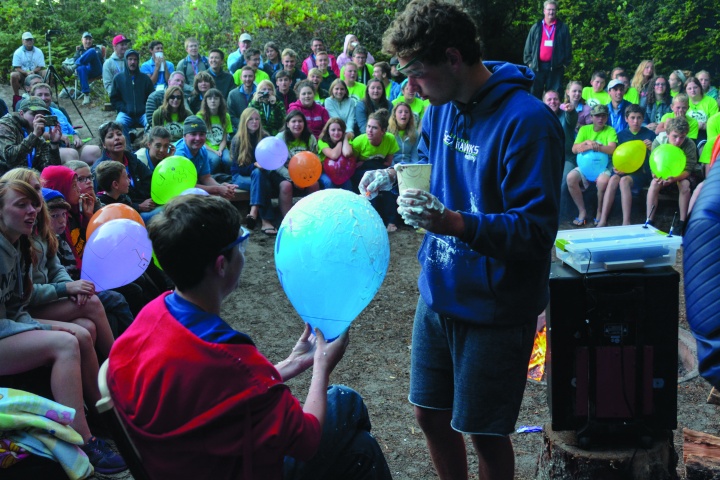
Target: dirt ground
(378, 358)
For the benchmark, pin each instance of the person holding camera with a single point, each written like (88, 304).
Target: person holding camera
(158, 68)
(26, 60)
(21, 137)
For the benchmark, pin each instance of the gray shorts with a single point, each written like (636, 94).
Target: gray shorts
(477, 371)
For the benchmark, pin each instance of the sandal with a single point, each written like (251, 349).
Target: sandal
(596, 221)
(578, 221)
(251, 222)
(270, 232)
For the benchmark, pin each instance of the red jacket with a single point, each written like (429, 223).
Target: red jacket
(316, 117)
(204, 410)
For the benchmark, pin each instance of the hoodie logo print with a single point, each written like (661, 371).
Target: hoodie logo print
(463, 146)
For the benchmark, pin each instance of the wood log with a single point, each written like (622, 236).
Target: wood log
(561, 458)
(701, 454)
(714, 397)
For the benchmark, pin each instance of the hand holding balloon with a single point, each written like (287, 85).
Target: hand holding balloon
(301, 358)
(328, 355)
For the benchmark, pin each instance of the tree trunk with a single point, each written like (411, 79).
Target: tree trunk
(561, 458)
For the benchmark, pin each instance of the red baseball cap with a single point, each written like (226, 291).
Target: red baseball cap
(119, 39)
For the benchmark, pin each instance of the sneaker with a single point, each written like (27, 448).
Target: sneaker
(86, 99)
(102, 457)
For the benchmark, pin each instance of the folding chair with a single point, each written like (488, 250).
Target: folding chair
(76, 91)
(107, 411)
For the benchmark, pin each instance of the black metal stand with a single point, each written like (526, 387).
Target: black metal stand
(51, 73)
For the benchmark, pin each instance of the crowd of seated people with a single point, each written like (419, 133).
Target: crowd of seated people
(349, 106)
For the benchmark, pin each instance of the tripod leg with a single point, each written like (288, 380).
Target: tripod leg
(58, 79)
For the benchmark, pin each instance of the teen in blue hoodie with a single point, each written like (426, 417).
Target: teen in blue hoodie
(491, 214)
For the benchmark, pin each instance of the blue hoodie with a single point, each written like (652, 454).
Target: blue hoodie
(498, 161)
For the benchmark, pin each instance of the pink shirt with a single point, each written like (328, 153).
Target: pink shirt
(548, 36)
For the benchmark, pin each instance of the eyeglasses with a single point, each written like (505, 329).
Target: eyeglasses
(175, 97)
(240, 241)
(84, 179)
(416, 72)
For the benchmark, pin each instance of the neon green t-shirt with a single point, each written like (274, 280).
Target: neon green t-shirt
(417, 107)
(694, 128)
(606, 136)
(703, 110)
(357, 91)
(593, 98)
(260, 75)
(321, 145)
(713, 131)
(363, 149)
(632, 96)
(215, 132)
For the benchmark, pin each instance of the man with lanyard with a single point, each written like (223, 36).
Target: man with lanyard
(491, 216)
(548, 50)
(21, 137)
(26, 59)
(158, 68)
(223, 80)
(192, 147)
(239, 98)
(194, 63)
(617, 105)
(116, 63)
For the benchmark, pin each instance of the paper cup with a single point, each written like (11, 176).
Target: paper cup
(413, 176)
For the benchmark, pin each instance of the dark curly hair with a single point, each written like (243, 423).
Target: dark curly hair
(429, 28)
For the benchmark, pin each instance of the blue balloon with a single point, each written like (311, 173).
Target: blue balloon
(592, 164)
(331, 255)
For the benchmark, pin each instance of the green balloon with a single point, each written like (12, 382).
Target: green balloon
(667, 161)
(171, 177)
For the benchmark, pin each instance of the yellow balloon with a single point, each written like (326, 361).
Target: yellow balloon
(629, 156)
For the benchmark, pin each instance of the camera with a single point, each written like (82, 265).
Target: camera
(50, 120)
(52, 33)
(265, 94)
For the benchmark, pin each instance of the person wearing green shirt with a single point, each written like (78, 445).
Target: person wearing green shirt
(417, 106)
(700, 107)
(680, 107)
(598, 137)
(596, 94)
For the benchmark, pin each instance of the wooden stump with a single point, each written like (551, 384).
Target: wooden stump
(701, 453)
(561, 458)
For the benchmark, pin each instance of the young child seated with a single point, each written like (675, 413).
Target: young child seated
(633, 182)
(200, 400)
(595, 94)
(113, 183)
(676, 134)
(597, 137)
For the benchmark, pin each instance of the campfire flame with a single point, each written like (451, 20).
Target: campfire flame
(536, 368)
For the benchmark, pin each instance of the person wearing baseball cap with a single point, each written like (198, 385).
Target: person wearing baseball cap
(617, 105)
(87, 63)
(116, 63)
(26, 59)
(236, 60)
(601, 138)
(21, 137)
(192, 147)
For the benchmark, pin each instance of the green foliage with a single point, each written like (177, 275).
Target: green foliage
(605, 33)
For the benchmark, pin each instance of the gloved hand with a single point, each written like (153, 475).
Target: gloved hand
(420, 209)
(375, 180)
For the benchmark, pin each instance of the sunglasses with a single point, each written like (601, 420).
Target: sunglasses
(240, 241)
(175, 97)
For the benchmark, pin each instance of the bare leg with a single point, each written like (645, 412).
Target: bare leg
(626, 184)
(90, 153)
(652, 199)
(601, 183)
(36, 348)
(695, 196)
(68, 154)
(285, 197)
(88, 359)
(254, 211)
(447, 446)
(573, 183)
(16, 81)
(684, 198)
(609, 199)
(496, 458)
(66, 310)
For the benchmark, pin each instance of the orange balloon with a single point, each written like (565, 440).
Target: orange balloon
(112, 212)
(305, 169)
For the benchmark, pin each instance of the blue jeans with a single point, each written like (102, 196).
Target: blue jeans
(146, 216)
(347, 449)
(219, 164)
(88, 66)
(129, 122)
(260, 188)
(326, 183)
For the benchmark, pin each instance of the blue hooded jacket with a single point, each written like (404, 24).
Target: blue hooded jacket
(498, 161)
